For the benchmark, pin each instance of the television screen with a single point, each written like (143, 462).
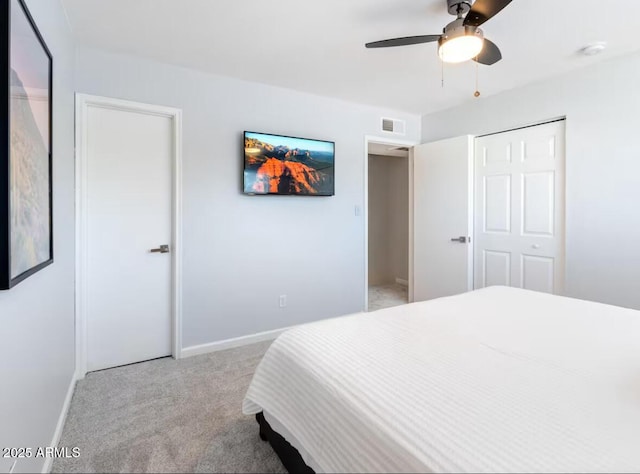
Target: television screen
(276, 164)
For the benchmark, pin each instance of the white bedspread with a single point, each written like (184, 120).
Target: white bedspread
(496, 380)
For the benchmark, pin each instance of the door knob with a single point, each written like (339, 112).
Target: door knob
(161, 249)
(462, 240)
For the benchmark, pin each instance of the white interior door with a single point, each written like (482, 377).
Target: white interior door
(129, 212)
(442, 206)
(519, 208)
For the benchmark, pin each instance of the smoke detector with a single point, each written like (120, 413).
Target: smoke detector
(593, 48)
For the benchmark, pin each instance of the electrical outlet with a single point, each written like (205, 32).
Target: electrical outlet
(283, 301)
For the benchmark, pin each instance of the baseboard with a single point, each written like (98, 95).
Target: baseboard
(231, 343)
(402, 282)
(48, 463)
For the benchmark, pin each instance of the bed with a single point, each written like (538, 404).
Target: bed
(495, 380)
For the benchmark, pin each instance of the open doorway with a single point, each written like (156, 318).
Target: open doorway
(387, 225)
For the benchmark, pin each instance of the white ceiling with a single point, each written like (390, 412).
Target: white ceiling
(318, 47)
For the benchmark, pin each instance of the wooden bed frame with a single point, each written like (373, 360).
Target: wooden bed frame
(289, 455)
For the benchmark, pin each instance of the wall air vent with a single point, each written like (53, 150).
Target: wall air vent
(395, 126)
(387, 125)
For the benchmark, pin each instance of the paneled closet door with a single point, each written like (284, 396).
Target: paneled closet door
(519, 208)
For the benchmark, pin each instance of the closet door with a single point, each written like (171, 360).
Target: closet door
(519, 208)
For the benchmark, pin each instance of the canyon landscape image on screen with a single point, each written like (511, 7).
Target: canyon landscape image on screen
(276, 164)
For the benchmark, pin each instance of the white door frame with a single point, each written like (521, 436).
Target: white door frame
(386, 141)
(83, 102)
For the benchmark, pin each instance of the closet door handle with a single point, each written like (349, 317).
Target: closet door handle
(462, 239)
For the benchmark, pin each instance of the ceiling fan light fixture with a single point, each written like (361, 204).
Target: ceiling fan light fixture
(460, 49)
(460, 43)
(462, 39)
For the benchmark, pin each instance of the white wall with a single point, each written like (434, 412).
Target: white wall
(388, 219)
(399, 218)
(379, 259)
(37, 316)
(242, 252)
(601, 104)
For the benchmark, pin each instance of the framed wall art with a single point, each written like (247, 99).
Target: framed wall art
(26, 220)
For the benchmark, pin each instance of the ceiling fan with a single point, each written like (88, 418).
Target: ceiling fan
(462, 39)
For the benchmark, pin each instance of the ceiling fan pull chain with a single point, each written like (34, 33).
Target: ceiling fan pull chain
(476, 94)
(442, 72)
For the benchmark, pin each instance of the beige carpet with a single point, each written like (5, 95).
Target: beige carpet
(168, 416)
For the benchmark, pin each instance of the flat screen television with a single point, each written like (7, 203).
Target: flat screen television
(277, 164)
